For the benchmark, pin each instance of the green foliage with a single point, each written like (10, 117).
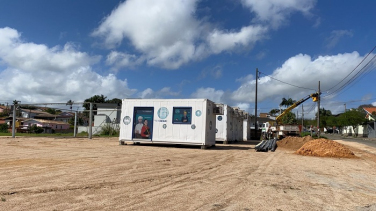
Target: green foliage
(35, 129)
(80, 121)
(115, 101)
(52, 111)
(4, 128)
(30, 107)
(107, 129)
(4, 114)
(94, 99)
(287, 102)
(288, 118)
(274, 112)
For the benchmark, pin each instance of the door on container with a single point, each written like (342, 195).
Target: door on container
(143, 123)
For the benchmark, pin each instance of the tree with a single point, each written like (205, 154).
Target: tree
(35, 129)
(4, 128)
(283, 103)
(352, 118)
(94, 99)
(289, 118)
(114, 101)
(52, 111)
(80, 121)
(98, 99)
(274, 112)
(324, 116)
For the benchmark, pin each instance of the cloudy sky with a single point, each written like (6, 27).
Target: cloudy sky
(54, 51)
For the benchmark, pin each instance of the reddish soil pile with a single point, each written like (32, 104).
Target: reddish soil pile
(325, 148)
(293, 143)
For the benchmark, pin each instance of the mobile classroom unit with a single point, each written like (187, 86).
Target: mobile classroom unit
(169, 121)
(238, 124)
(246, 127)
(225, 125)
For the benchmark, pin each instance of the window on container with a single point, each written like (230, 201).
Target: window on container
(182, 115)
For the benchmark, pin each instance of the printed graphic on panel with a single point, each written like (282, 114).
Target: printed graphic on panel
(182, 115)
(143, 122)
(163, 113)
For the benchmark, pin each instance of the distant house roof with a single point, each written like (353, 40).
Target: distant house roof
(48, 121)
(369, 111)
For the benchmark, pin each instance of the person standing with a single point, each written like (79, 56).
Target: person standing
(138, 127)
(145, 131)
(185, 117)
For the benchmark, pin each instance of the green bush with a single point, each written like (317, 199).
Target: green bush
(36, 129)
(107, 129)
(4, 128)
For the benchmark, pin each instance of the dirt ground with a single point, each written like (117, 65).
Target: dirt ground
(99, 174)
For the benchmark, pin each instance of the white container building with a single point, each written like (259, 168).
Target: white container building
(169, 121)
(246, 127)
(225, 126)
(238, 124)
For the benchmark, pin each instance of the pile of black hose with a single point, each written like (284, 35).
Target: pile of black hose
(266, 145)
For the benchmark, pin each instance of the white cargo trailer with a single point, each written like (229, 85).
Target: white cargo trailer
(224, 125)
(247, 127)
(238, 124)
(169, 121)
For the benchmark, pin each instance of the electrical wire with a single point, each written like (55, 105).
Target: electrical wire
(370, 65)
(286, 82)
(354, 68)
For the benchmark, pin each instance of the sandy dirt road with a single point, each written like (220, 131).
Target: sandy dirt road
(98, 174)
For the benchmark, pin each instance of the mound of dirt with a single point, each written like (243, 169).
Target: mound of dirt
(325, 148)
(293, 143)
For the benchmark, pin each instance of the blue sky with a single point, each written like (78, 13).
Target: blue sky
(53, 51)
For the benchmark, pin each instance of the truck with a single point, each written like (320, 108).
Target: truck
(281, 130)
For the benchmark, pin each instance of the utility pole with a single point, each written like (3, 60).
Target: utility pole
(345, 107)
(256, 104)
(318, 113)
(15, 103)
(302, 117)
(91, 121)
(75, 124)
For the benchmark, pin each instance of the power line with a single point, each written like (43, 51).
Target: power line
(354, 68)
(286, 82)
(361, 73)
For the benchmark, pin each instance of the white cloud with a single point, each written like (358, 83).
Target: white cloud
(213, 72)
(300, 70)
(118, 60)
(335, 37)
(243, 106)
(245, 79)
(35, 72)
(275, 12)
(164, 92)
(168, 34)
(220, 41)
(209, 93)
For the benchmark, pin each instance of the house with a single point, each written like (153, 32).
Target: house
(28, 113)
(107, 113)
(371, 113)
(49, 126)
(264, 115)
(64, 116)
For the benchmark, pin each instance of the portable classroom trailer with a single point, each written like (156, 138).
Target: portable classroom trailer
(238, 124)
(169, 121)
(246, 127)
(225, 125)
